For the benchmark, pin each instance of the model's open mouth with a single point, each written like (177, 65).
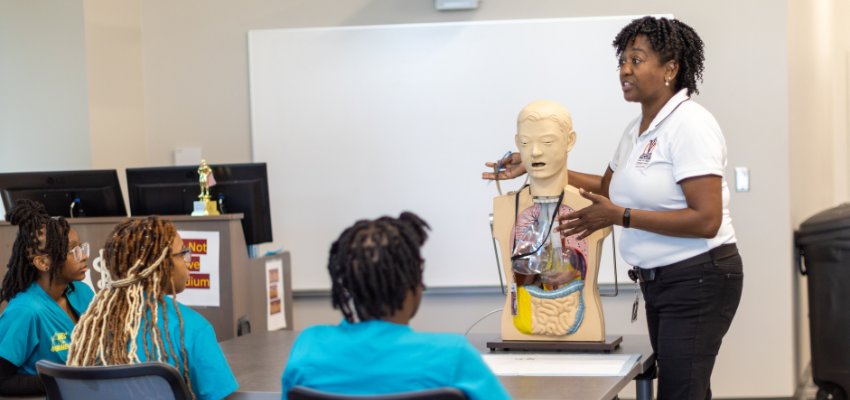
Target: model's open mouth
(538, 165)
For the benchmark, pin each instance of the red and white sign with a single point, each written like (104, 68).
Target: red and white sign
(203, 287)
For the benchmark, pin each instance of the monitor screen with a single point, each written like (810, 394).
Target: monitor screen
(66, 193)
(240, 188)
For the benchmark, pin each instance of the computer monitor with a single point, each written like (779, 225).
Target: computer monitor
(66, 193)
(240, 188)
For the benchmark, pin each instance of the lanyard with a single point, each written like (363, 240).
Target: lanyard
(548, 231)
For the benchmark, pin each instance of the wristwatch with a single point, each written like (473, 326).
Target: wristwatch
(626, 215)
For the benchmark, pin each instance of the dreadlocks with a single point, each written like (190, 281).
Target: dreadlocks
(374, 264)
(38, 235)
(672, 40)
(138, 262)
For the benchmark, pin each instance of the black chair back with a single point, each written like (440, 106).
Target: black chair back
(444, 393)
(136, 381)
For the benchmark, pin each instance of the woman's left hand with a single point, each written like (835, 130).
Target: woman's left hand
(601, 214)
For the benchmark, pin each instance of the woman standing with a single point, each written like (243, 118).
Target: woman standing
(665, 187)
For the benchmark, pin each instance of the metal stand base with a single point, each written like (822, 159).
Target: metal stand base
(643, 383)
(644, 390)
(611, 342)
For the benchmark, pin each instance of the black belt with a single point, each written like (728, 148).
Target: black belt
(711, 256)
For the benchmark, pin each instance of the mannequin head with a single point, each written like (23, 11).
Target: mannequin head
(544, 137)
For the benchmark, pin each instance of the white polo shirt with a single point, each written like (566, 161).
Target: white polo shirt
(683, 141)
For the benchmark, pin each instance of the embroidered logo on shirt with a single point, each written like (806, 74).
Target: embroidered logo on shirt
(59, 342)
(644, 158)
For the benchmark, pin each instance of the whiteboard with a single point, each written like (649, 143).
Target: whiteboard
(360, 122)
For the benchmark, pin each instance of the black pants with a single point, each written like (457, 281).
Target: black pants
(689, 309)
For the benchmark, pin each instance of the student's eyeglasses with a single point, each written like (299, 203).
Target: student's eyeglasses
(186, 253)
(79, 251)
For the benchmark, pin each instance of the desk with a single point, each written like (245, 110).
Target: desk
(238, 275)
(258, 361)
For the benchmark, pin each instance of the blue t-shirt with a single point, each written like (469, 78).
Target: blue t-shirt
(210, 376)
(378, 357)
(33, 327)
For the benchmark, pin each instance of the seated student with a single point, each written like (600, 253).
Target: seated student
(132, 322)
(376, 274)
(44, 303)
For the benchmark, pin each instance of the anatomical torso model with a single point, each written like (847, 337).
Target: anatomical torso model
(552, 279)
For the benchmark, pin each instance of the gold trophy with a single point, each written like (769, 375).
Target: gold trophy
(205, 206)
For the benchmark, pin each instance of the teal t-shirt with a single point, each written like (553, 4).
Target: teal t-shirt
(33, 327)
(209, 374)
(377, 357)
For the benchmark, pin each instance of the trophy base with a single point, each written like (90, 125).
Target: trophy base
(204, 208)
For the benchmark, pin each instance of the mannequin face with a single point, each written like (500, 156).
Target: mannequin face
(543, 148)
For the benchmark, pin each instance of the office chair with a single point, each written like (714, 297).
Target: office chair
(444, 393)
(152, 380)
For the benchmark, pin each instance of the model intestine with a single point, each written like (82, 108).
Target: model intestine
(556, 316)
(551, 302)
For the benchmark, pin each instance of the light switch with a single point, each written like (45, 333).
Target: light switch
(742, 179)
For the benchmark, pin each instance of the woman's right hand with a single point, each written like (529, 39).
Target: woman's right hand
(511, 168)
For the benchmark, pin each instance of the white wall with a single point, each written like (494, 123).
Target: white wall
(196, 94)
(819, 122)
(44, 122)
(116, 89)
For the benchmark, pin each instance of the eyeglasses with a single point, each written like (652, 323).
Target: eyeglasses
(186, 253)
(79, 251)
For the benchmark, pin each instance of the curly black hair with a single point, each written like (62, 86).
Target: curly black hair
(38, 234)
(672, 40)
(374, 264)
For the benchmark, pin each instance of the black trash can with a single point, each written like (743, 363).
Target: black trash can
(822, 245)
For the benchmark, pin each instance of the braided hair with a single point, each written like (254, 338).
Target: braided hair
(138, 260)
(374, 264)
(38, 235)
(672, 40)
